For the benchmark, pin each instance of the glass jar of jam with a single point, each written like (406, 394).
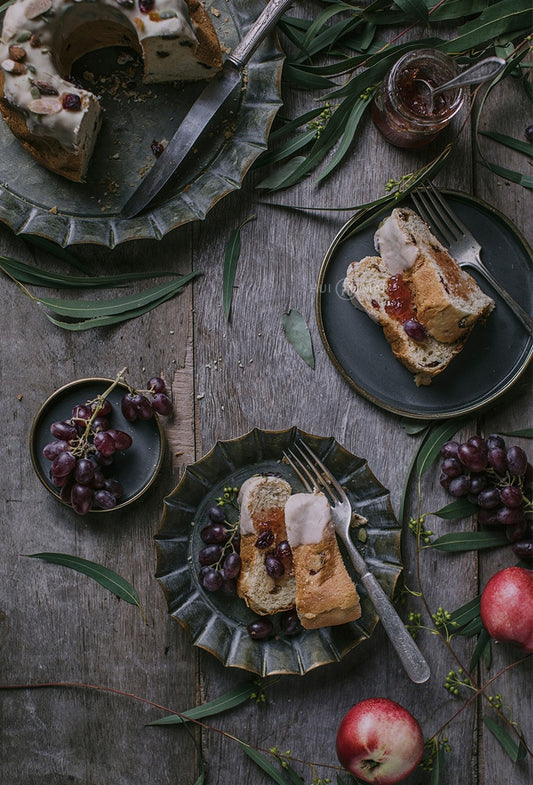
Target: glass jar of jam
(404, 110)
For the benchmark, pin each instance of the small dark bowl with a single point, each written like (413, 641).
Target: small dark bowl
(135, 468)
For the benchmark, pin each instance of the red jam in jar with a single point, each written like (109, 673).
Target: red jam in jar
(403, 109)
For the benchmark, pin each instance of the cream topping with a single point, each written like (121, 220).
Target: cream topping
(395, 248)
(307, 517)
(40, 27)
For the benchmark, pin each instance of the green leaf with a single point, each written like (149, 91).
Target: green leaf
(431, 449)
(466, 613)
(231, 257)
(525, 180)
(103, 575)
(468, 541)
(461, 508)
(405, 488)
(480, 650)
(229, 700)
(438, 765)
(509, 141)
(57, 251)
(515, 750)
(298, 335)
(414, 9)
(414, 427)
(497, 20)
(284, 174)
(525, 433)
(264, 764)
(350, 128)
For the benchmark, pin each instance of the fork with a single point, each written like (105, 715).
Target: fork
(462, 245)
(315, 476)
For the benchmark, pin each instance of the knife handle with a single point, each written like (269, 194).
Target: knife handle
(258, 32)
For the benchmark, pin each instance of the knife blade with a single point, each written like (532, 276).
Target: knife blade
(204, 110)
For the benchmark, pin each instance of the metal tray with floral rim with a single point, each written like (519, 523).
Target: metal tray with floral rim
(36, 201)
(216, 622)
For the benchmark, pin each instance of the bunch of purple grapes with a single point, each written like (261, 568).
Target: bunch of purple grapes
(219, 558)
(83, 453)
(497, 479)
(141, 404)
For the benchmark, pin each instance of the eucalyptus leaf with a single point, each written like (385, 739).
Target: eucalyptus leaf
(497, 20)
(414, 9)
(468, 541)
(103, 575)
(414, 427)
(461, 508)
(515, 750)
(405, 488)
(526, 180)
(441, 434)
(467, 612)
(265, 764)
(525, 433)
(480, 649)
(350, 128)
(298, 335)
(229, 700)
(438, 765)
(509, 141)
(231, 257)
(57, 251)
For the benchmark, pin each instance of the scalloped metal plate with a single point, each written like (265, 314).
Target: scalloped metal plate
(35, 201)
(217, 623)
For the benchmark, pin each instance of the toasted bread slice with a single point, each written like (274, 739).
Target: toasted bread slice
(366, 283)
(447, 300)
(325, 594)
(262, 502)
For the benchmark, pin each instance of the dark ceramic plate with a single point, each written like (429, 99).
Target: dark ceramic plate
(495, 355)
(135, 468)
(216, 622)
(36, 201)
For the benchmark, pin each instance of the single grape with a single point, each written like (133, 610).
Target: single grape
(105, 499)
(209, 555)
(283, 550)
(232, 566)
(415, 330)
(162, 404)
(214, 533)
(156, 385)
(265, 539)
(103, 460)
(212, 580)
(487, 517)
(127, 407)
(495, 440)
(216, 514)
(84, 471)
(260, 629)
(143, 407)
(472, 458)
(104, 443)
(81, 498)
(104, 407)
(511, 496)
(516, 461)
(498, 460)
(523, 549)
(63, 465)
(114, 487)
(98, 480)
(478, 442)
(478, 482)
(65, 491)
(81, 414)
(449, 450)
(489, 498)
(445, 481)
(66, 431)
(516, 531)
(236, 542)
(459, 486)
(509, 515)
(52, 450)
(290, 623)
(452, 467)
(274, 567)
(122, 440)
(228, 587)
(100, 424)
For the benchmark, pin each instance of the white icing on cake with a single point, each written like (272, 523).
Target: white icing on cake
(307, 518)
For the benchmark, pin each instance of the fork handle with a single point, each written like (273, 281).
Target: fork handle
(519, 312)
(410, 655)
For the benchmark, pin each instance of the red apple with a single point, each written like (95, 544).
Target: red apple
(379, 741)
(507, 607)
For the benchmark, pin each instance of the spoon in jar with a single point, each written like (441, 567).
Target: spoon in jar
(485, 69)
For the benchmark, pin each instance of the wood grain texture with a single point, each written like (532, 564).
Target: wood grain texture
(227, 377)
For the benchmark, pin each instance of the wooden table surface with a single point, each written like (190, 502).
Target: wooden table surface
(227, 377)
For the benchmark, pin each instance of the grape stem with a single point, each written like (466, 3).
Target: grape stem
(82, 442)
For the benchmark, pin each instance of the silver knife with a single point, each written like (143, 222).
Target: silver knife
(204, 109)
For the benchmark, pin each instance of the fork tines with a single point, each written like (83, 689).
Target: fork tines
(434, 210)
(312, 472)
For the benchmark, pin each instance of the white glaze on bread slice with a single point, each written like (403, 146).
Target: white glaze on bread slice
(262, 501)
(325, 594)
